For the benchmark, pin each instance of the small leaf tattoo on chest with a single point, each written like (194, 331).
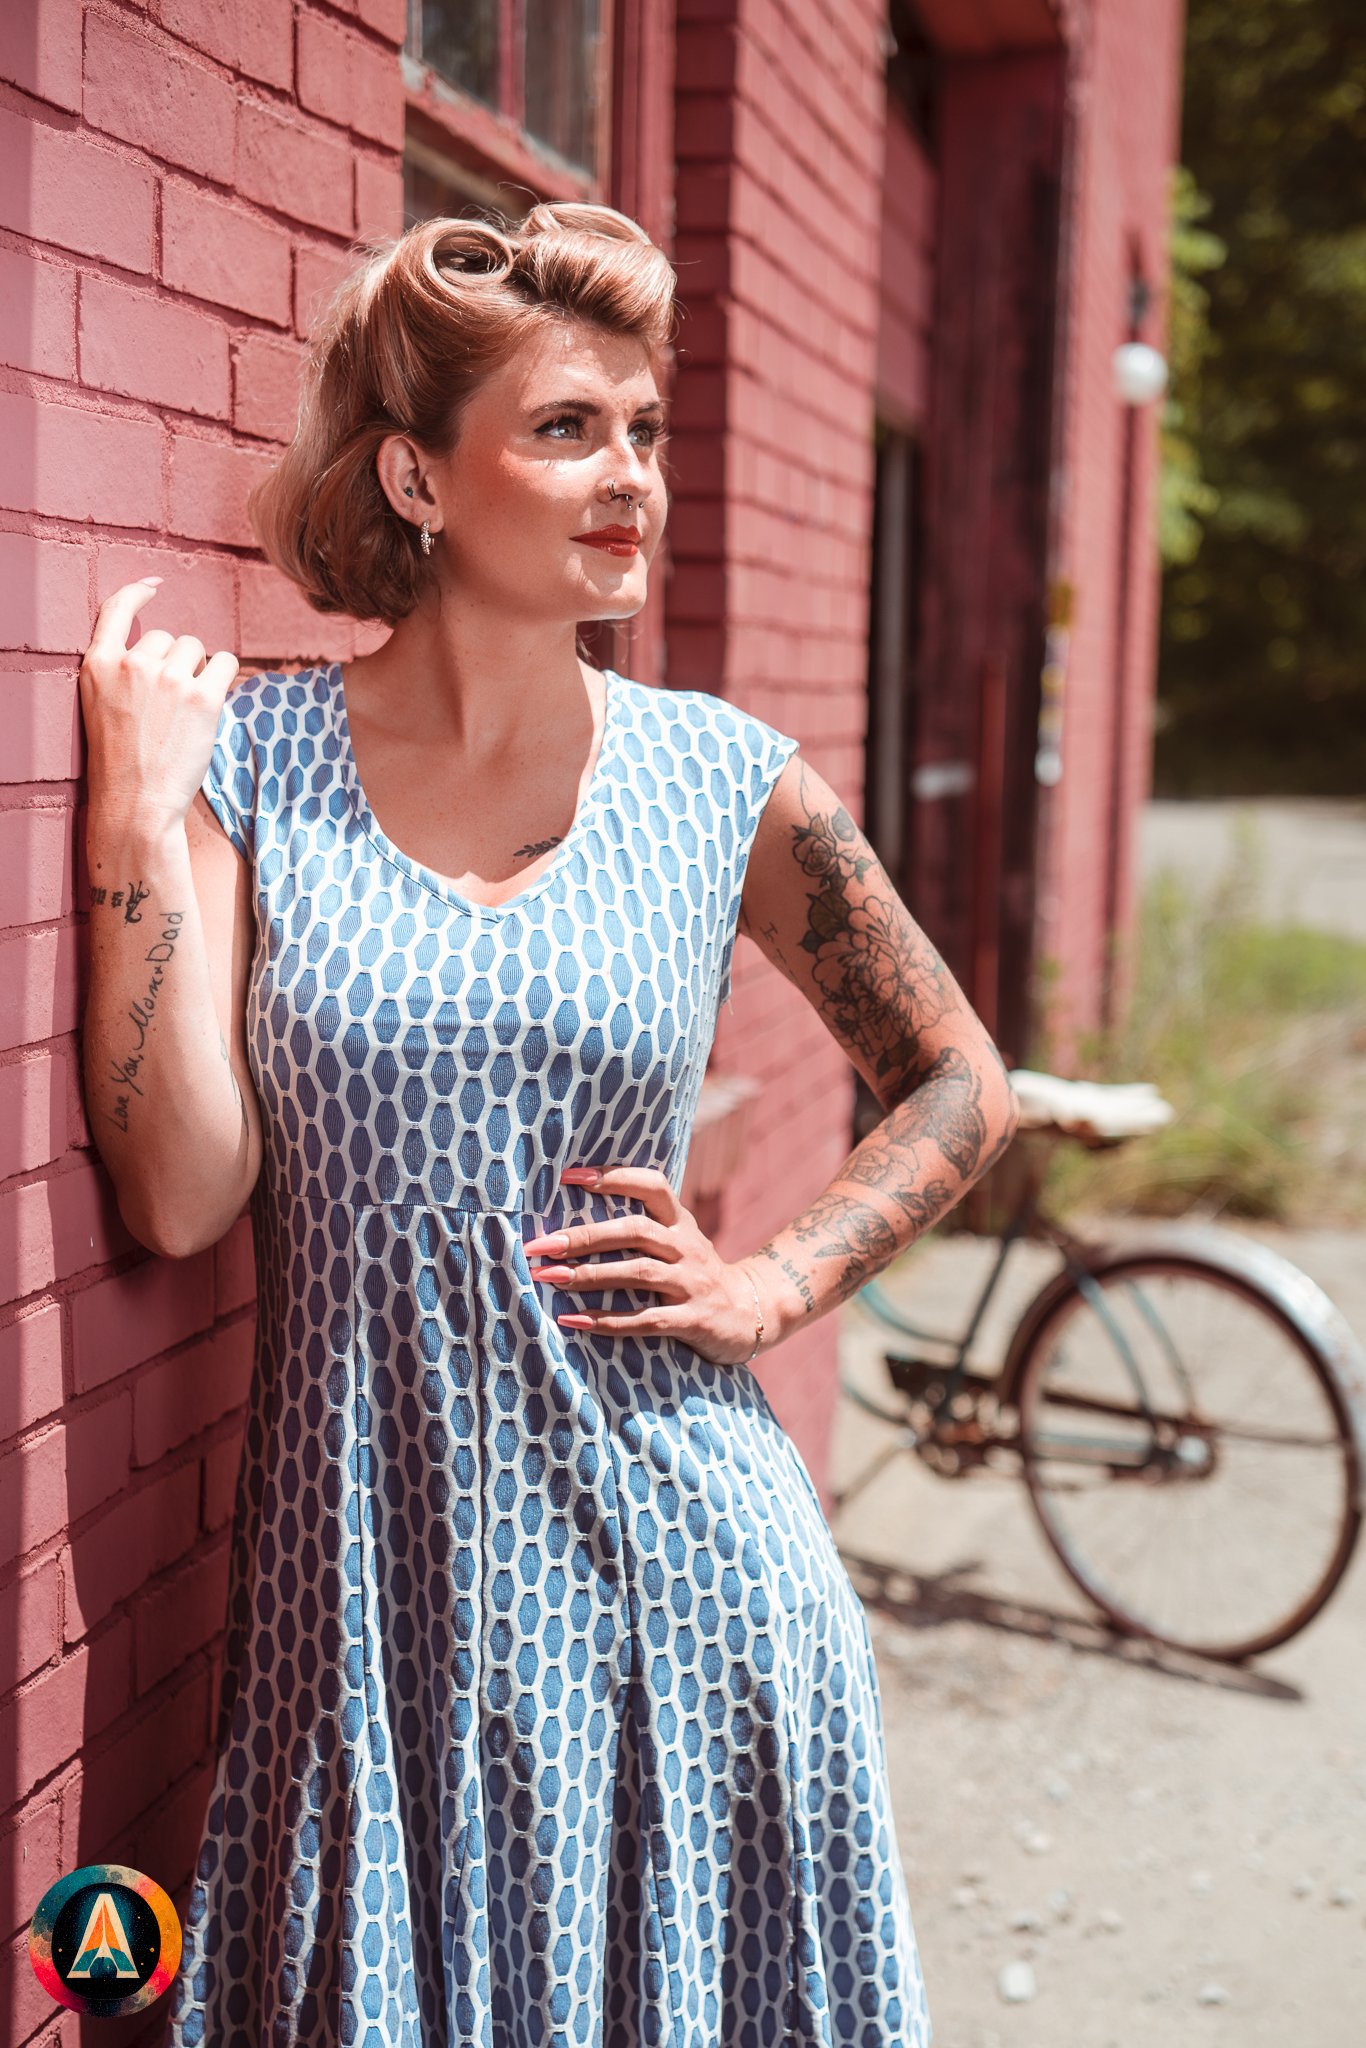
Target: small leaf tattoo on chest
(536, 846)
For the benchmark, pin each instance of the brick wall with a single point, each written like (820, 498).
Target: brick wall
(1128, 81)
(178, 181)
(780, 117)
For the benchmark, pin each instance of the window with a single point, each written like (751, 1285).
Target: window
(522, 84)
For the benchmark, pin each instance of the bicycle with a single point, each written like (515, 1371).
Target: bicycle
(1148, 1389)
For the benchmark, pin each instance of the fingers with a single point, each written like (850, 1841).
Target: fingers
(183, 656)
(116, 615)
(220, 671)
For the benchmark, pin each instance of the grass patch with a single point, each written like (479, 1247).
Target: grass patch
(1248, 1029)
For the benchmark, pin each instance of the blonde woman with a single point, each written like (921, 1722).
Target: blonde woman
(548, 1712)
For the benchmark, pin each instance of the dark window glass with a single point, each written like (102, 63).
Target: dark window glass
(459, 38)
(562, 76)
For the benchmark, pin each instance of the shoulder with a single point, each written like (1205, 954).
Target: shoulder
(738, 744)
(265, 703)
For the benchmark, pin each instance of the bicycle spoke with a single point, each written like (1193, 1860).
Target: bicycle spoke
(1185, 1457)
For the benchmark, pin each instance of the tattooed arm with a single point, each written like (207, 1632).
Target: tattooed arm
(168, 1090)
(819, 904)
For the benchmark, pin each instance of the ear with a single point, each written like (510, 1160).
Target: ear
(401, 468)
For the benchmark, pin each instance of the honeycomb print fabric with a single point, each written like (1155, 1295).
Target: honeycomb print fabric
(548, 1712)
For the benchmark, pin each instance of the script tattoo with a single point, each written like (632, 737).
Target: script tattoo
(125, 1071)
(129, 898)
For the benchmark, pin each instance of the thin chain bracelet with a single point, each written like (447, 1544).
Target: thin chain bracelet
(760, 1308)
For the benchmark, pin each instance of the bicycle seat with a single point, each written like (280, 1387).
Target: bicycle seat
(1095, 1109)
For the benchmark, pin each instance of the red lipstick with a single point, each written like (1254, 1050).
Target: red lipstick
(613, 540)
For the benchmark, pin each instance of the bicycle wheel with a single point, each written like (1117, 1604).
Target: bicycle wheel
(1189, 1452)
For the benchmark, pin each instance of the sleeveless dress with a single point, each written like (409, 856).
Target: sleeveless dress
(548, 1710)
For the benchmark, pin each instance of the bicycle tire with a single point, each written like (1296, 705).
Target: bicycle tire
(1278, 1298)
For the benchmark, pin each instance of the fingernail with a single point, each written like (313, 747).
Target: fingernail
(151, 579)
(585, 1175)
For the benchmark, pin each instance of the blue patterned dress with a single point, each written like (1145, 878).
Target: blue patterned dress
(548, 1713)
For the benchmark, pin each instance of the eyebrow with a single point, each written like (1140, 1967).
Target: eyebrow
(586, 405)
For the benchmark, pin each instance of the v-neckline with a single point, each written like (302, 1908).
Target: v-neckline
(441, 885)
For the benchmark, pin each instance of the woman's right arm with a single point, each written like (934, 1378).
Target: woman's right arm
(168, 1088)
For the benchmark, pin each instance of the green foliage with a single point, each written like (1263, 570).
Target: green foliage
(1227, 1019)
(1263, 527)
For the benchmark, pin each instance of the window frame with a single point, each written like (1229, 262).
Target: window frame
(490, 143)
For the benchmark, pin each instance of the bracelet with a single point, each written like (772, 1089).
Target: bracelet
(759, 1331)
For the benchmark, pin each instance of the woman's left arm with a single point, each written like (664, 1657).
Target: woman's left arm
(818, 902)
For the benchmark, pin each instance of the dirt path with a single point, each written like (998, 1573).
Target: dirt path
(1173, 1854)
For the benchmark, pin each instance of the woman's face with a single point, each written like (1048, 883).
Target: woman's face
(540, 440)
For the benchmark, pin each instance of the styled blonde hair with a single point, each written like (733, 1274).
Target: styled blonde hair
(404, 341)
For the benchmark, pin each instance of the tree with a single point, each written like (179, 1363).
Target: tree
(1263, 684)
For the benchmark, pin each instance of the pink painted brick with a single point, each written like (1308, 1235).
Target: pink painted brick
(120, 1782)
(179, 1615)
(153, 348)
(255, 37)
(44, 594)
(42, 1727)
(266, 386)
(40, 50)
(119, 1322)
(219, 1491)
(209, 485)
(37, 988)
(99, 1443)
(154, 95)
(168, 1836)
(182, 1398)
(30, 1860)
(317, 273)
(58, 187)
(234, 1269)
(349, 80)
(278, 623)
(30, 1628)
(138, 1535)
(199, 594)
(217, 251)
(87, 1229)
(301, 171)
(379, 195)
(388, 18)
(30, 1369)
(37, 314)
(26, 1256)
(76, 463)
(32, 1101)
(33, 1502)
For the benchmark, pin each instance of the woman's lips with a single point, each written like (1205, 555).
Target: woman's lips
(612, 541)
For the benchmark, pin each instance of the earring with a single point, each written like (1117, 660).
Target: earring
(426, 538)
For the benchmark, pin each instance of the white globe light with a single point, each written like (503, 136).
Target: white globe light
(1140, 372)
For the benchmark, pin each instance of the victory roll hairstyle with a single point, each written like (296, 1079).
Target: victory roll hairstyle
(404, 341)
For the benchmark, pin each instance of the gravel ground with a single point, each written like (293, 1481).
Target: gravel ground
(1109, 1847)
(1159, 1850)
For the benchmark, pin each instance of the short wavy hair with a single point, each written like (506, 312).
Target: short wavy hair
(404, 341)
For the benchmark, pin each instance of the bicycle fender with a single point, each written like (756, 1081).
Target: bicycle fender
(1300, 1300)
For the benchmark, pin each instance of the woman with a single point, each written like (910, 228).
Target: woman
(548, 1712)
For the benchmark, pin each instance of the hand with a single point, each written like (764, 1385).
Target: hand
(711, 1303)
(151, 710)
